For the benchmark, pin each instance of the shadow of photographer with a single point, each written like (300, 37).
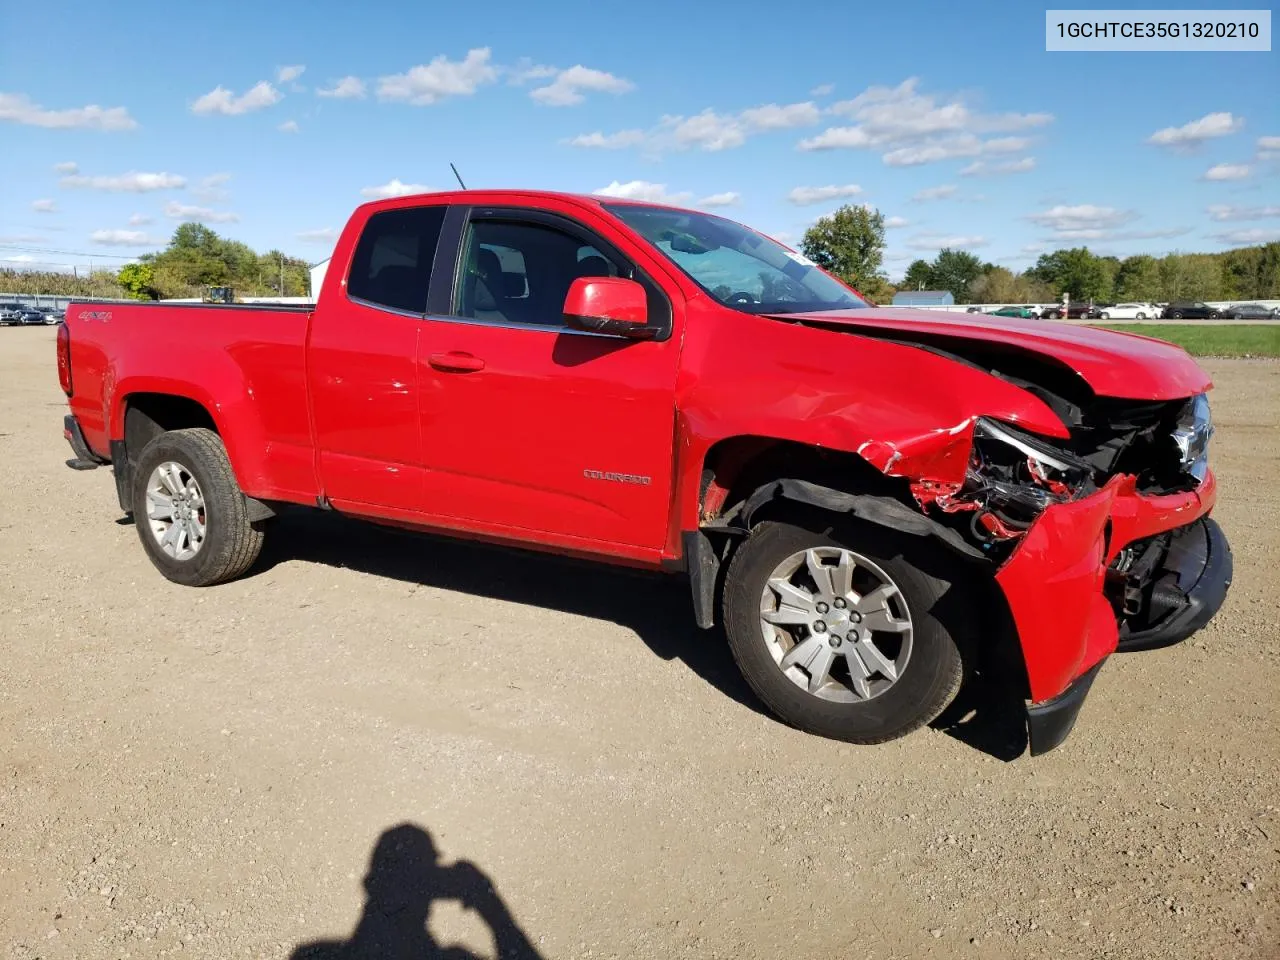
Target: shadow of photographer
(404, 880)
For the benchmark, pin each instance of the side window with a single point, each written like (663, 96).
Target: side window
(514, 272)
(392, 262)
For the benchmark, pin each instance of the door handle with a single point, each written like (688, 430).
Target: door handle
(456, 362)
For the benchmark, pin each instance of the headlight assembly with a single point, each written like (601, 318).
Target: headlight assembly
(1192, 433)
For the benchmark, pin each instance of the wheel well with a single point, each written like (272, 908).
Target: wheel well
(737, 466)
(147, 415)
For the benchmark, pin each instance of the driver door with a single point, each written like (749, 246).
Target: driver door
(528, 424)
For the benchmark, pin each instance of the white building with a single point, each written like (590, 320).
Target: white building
(317, 277)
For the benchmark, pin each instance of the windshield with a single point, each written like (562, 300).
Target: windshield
(738, 267)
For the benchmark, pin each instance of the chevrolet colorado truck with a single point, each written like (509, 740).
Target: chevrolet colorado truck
(867, 499)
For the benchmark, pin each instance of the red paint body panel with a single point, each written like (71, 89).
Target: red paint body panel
(597, 446)
(1053, 580)
(1115, 364)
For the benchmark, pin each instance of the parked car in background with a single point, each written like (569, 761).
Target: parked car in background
(1190, 310)
(10, 313)
(1075, 311)
(1249, 311)
(1026, 313)
(53, 316)
(1128, 311)
(30, 316)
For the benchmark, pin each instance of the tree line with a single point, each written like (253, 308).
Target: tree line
(850, 244)
(196, 258)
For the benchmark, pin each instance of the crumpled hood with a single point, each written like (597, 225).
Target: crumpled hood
(1114, 364)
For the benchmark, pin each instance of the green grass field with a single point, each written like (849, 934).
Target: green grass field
(1211, 340)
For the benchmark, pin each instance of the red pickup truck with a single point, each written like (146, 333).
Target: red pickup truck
(869, 499)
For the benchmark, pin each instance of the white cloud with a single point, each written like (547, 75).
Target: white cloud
(289, 126)
(192, 214)
(1221, 211)
(892, 223)
(126, 182)
(707, 130)
(393, 188)
(983, 168)
(526, 70)
(1227, 171)
(1268, 147)
(69, 166)
(773, 116)
(803, 196)
(945, 241)
(123, 238)
(1033, 248)
(1250, 236)
(140, 220)
(286, 74)
(727, 199)
(222, 101)
(440, 79)
(823, 90)
(934, 193)
(18, 108)
(1082, 219)
(642, 190)
(912, 128)
(1197, 131)
(325, 235)
(211, 189)
(23, 238)
(608, 141)
(44, 206)
(348, 88)
(19, 258)
(569, 85)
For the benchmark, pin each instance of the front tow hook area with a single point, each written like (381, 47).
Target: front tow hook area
(1187, 587)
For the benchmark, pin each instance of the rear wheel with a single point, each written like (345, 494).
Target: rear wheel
(1176, 315)
(190, 514)
(839, 636)
(1140, 316)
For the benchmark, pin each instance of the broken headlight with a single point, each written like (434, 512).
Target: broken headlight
(1192, 433)
(1013, 476)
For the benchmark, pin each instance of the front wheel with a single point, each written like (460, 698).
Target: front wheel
(839, 636)
(190, 514)
(1104, 316)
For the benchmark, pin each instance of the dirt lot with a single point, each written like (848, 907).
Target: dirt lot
(206, 772)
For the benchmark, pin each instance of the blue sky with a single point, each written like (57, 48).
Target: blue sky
(949, 118)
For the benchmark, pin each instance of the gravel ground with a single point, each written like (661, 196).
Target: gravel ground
(207, 773)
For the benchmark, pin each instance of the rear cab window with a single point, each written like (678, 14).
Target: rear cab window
(392, 264)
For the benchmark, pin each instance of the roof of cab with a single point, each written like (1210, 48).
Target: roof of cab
(462, 196)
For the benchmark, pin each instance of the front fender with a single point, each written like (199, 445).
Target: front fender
(906, 411)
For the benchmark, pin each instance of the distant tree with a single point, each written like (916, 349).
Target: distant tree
(999, 285)
(1139, 279)
(137, 280)
(956, 270)
(1075, 271)
(919, 276)
(1191, 276)
(849, 244)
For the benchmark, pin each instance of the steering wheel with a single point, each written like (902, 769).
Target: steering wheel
(741, 297)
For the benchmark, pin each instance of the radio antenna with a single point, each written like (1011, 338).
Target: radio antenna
(455, 173)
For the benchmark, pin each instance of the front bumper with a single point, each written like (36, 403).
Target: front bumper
(1064, 599)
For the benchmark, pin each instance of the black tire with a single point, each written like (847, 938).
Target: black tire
(1141, 316)
(1176, 315)
(231, 543)
(1104, 315)
(927, 684)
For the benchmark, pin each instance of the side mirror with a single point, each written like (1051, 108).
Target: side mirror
(611, 305)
